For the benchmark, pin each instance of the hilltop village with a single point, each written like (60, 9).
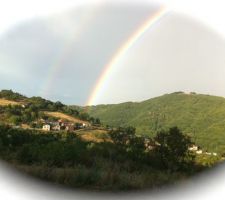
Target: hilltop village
(20, 111)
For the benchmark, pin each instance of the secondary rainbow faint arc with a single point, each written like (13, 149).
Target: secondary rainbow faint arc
(122, 50)
(57, 64)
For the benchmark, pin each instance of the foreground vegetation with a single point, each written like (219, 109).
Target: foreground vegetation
(120, 164)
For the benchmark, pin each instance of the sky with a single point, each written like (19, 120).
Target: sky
(59, 51)
(36, 33)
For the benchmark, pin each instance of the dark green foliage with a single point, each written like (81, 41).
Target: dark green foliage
(97, 121)
(84, 116)
(58, 149)
(94, 121)
(28, 154)
(122, 136)
(15, 120)
(10, 95)
(172, 149)
(70, 111)
(42, 104)
(137, 149)
(17, 114)
(121, 165)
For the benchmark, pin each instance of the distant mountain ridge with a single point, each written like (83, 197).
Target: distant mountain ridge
(201, 116)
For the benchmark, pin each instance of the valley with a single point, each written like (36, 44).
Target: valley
(127, 146)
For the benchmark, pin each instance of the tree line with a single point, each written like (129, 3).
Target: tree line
(169, 148)
(122, 163)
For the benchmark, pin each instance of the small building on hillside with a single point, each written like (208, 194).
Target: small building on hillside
(56, 127)
(148, 143)
(208, 153)
(84, 125)
(193, 148)
(69, 127)
(199, 151)
(46, 127)
(80, 125)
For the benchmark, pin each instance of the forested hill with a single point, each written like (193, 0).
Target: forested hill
(201, 116)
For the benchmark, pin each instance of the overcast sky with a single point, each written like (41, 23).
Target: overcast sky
(60, 57)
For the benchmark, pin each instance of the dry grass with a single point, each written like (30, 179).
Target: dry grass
(5, 102)
(113, 177)
(95, 135)
(25, 126)
(91, 138)
(65, 117)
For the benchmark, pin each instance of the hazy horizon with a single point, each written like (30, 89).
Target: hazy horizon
(184, 92)
(62, 56)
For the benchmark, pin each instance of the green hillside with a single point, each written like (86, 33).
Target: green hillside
(201, 116)
(19, 110)
(114, 158)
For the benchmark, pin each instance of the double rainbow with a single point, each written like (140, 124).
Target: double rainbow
(57, 65)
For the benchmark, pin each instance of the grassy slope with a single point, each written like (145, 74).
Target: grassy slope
(95, 135)
(201, 116)
(65, 117)
(5, 102)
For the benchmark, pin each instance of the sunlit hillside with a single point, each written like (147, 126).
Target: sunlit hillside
(200, 116)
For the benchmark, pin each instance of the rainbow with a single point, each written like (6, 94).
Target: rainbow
(107, 70)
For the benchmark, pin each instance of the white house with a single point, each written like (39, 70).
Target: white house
(56, 127)
(46, 127)
(84, 125)
(69, 127)
(199, 152)
(193, 148)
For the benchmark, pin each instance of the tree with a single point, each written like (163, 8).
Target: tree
(172, 149)
(58, 105)
(137, 147)
(15, 120)
(97, 121)
(122, 136)
(126, 140)
(94, 121)
(84, 116)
